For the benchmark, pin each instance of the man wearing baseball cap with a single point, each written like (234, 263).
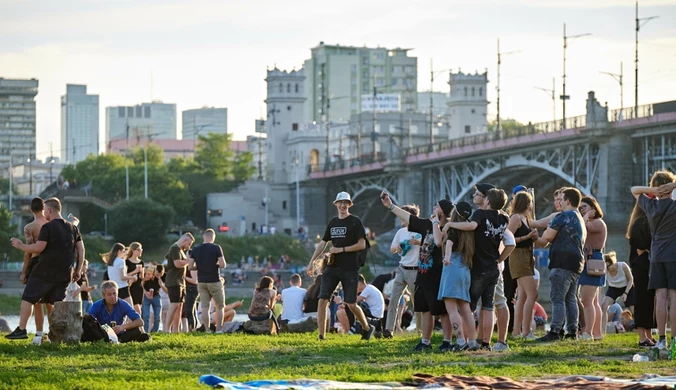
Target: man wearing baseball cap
(348, 236)
(429, 269)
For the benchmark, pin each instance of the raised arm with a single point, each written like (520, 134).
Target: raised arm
(387, 202)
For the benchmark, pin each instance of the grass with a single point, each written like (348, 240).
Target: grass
(177, 361)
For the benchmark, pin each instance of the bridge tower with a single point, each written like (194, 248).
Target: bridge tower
(467, 104)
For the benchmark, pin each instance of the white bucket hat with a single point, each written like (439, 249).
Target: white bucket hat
(343, 196)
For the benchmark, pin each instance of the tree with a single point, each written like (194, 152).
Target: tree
(141, 220)
(4, 187)
(7, 231)
(154, 152)
(509, 127)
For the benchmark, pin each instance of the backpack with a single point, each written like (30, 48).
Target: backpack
(92, 330)
(362, 254)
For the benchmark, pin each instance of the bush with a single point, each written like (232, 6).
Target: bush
(94, 247)
(140, 220)
(262, 246)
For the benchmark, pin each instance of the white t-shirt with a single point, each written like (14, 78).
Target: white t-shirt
(411, 258)
(292, 299)
(115, 272)
(374, 298)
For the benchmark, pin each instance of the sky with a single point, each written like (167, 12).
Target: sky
(215, 53)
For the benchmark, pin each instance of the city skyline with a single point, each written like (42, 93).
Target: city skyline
(219, 58)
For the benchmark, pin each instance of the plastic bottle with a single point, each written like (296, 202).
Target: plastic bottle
(639, 357)
(672, 349)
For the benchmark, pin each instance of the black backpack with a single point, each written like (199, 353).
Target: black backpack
(92, 330)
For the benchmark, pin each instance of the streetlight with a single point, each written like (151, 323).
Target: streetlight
(618, 78)
(498, 86)
(297, 163)
(565, 97)
(432, 72)
(552, 93)
(640, 22)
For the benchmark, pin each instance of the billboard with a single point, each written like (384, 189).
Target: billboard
(384, 102)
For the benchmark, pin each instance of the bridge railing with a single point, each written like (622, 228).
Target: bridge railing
(529, 129)
(630, 113)
(348, 163)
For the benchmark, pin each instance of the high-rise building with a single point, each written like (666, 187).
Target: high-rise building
(79, 124)
(338, 76)
(154, 120)
(467, 104)
(17, 119)
(203, 121)
(439, 102)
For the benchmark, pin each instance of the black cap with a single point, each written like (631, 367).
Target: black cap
(446, 206)
(464, 210)
(484, 188)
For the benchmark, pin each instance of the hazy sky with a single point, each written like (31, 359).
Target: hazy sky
(215, 53)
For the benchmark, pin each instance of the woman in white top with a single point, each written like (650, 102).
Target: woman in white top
(117, 271)
(620, 280)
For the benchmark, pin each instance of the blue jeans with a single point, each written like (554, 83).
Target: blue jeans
(85, 307)
(563, 295)
(156, 303)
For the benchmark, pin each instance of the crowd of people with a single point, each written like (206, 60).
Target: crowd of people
(462, 267)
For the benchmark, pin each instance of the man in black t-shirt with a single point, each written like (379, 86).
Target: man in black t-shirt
(176, 268)
(489, 224)
(348, 236)
(57, 245)
(425, 297)
(207, 258)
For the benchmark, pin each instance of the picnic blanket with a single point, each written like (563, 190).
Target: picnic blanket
(424, 381)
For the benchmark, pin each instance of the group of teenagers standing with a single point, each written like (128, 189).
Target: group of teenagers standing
(459, 260)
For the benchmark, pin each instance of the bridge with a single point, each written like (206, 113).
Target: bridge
(601, 153)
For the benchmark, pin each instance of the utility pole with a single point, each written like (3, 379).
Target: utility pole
(30, 173)
(374, 135)
(618, 78)
(126, 166)
(11, 177)
(145, 162)
(498, 86)
(640, 22)
(565, 97)
(51, 163)
(297, 193)
(552, 94)
(431, 102)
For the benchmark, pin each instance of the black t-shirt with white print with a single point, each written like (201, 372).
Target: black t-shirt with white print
(491, 225)
(430, 258)
(343, 233)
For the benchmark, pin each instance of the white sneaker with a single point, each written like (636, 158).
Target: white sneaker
(662, 344)
(530, 336)
(37, 340)
(585, 336)
(500, 347)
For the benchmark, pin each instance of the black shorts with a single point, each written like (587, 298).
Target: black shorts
(662, 275)
(615, 292)
(136, 292)
(330, 279)
(123, 292)
(41, 291)
(425, 300)
(31, 264)
(483, 286)
(176, 294)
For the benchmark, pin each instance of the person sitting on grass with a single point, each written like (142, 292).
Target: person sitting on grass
(263, 302)
(112, 311)
(293, 298)
(372, 303)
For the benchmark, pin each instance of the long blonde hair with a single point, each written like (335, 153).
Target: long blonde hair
(130, 251)
(109, 258)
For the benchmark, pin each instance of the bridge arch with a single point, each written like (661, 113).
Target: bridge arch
(520, 161)
(369, 187)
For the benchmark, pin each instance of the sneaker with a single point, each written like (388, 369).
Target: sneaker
(585, 337)
(549, 337)
(460, 348)
(200, 329)
(485, 347)
(646, 343)
(570, 336)
(421, 347)
(366, 335)
(321, 337)
(662, 344)
(18, 334)
(387, 334)
(446, 346)
(530, 336)
(37, 340)
(378, 335)
(500, 347)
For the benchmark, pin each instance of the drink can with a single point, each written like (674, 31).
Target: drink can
(113, 324)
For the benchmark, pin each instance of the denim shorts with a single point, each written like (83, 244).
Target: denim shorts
(330, 279)
(483, 287)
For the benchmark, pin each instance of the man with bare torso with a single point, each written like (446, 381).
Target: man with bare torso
(31, 232)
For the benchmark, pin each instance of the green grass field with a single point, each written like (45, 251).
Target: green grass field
(177, 361)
